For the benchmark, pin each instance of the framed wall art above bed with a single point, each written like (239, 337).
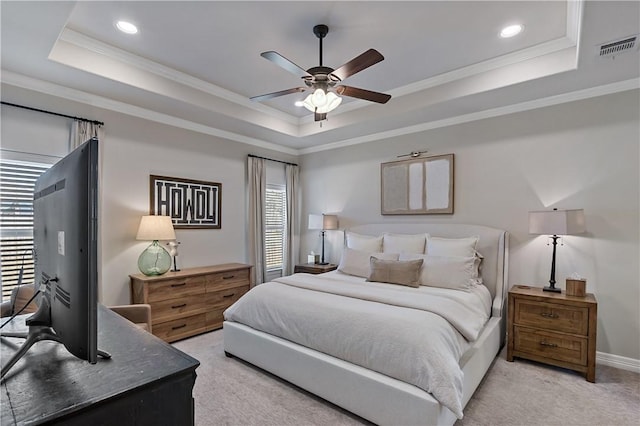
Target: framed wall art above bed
(191, 204)
(421, 185)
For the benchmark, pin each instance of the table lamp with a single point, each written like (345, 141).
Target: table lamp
(324, 222)
(155, 260)
(556, 223)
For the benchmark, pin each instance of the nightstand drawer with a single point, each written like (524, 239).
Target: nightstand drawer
(551, 345)
(552, 316)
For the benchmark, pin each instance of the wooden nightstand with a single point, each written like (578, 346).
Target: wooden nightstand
(553, 328)
(314, 268)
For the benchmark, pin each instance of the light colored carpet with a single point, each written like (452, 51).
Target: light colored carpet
(231, 392)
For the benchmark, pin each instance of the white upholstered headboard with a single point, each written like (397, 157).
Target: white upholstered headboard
(493, 245)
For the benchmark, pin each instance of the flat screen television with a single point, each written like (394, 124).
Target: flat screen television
(65, 232)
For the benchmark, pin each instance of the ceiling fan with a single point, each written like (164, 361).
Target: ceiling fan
(320, 79)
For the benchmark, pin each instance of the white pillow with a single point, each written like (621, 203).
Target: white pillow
(464, 247)
(364, 242)
(403, 243)
(357, 262)
(454, 272)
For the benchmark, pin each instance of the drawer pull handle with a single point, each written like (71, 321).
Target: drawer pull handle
(550, 345)
(179, 306)
(229, 295)
(178, 285)
(549, 315)
(228, 277)
(179, 326)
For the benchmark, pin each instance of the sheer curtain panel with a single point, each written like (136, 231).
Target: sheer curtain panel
(292, 237)
(257, 194)
(82, 131)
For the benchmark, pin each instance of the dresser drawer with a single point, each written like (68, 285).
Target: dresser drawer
(221, 280)
(176, 288)
(166, 310)
(552, 316)
(225, 298)
(179, 328)
(551, 345)
(214, 318)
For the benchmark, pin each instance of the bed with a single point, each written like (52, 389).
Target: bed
(376, 392)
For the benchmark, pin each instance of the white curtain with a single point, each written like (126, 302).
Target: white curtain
(292, 237)
(82, 131)
(257, 194)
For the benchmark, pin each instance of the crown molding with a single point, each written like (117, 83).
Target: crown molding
(29, 83)
(85, 42)
(574, 19)
(577, 95)
(18, 80)
(570, 39)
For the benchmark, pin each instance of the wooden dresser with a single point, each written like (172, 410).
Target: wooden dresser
(190, 301)
(553, 328)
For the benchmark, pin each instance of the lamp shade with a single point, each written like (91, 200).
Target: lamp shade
(154, 228)
(557, 222)
(323, 221)
(322, 102)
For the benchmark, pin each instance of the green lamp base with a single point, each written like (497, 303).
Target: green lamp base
(155, 260)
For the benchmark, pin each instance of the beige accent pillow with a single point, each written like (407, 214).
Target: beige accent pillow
(356, 262)
(455, 272)
(366, 243)
(403, 243)
(395, 271)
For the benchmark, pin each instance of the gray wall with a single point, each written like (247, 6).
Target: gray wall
(132, 150)
(576, 155)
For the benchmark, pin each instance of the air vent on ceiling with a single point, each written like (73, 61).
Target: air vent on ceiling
(617, 47)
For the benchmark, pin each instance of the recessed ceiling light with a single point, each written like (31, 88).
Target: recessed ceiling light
(299, 103)
(126, 27)
(511, 31)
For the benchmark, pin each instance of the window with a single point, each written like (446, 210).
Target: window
(275, 228)
(17, 179)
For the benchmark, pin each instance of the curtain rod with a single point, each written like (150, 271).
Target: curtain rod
(271, 159)
(99, 123)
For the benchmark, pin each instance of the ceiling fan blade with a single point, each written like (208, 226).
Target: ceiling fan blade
(367, 95)
(357, 64)
(276, 94)
(319, 117)
(283, 62)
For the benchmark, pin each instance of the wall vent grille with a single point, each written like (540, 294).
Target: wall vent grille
(617, 47)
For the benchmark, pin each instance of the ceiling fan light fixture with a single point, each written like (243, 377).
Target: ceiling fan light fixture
(511, 30)
(322, 102)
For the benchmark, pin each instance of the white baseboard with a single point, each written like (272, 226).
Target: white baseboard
(618, 361)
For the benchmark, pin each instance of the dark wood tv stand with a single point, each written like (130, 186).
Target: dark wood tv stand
(146, 381)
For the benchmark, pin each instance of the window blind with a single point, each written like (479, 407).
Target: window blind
(275, 225)
(17, 180)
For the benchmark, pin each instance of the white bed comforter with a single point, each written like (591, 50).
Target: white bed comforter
(410, 334)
